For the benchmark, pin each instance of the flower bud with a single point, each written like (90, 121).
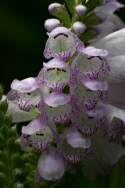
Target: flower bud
(81, 10)
(51, 24)
(79, 27)
(55, 8)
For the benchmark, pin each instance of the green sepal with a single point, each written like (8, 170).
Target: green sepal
(71, 5)
(35, 113)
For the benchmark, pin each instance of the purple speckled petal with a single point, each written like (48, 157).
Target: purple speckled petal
(13, 95)
(25, 86)
(50, 167)
(55, 63)
(19, 115)
(77, 141)
(56, 99)
(60, 44)
(95, 85)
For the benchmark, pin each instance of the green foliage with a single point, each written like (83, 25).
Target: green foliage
(93, 4)
(71, 4)
(17, 168)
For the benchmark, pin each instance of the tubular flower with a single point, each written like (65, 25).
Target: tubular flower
(63, 44)
(75, 104)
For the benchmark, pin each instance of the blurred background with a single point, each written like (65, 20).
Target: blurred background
(22, 37)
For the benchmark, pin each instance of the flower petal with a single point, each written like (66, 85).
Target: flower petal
(61, 44)
(25, 86)
(56, 99)
(55, 63)
(114, 43)
(37, 135)
(77, 141)
(50, 167)
(56, 77)
(33, 127)
(59, 115)
(94, 52)
(112, 112)
(20, 115)
(117, 68)
(95, 85)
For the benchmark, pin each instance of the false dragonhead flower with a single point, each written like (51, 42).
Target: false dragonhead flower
(79, 97)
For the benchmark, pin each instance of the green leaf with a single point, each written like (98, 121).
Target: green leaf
(71, 5)
(90, 20)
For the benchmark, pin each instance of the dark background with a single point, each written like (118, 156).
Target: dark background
(22, 38)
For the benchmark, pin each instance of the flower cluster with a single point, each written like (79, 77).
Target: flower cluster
(76, 103)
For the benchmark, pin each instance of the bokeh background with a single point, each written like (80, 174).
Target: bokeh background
(22, 37)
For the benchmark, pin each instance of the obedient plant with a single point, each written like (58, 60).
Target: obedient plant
(76, 103)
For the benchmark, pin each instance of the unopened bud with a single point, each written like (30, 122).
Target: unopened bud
(79, 28)
(81, 10)
(55, 8)
(51, 24)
